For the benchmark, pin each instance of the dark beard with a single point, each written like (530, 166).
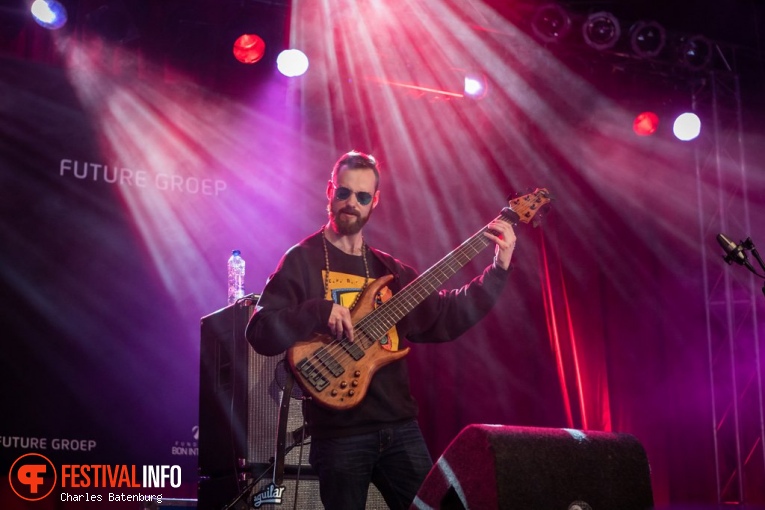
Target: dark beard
(348, 227)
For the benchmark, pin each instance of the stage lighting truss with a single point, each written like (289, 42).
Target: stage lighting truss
(551, 23)
(647, 39)
(601, 30)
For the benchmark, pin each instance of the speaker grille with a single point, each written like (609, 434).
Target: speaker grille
(266, 376)
(239, 398)
(492, 466)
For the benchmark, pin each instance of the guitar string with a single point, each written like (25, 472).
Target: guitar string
(433, 278)
(336, 349)
(477, 238)
(403, 296)
(328, 352)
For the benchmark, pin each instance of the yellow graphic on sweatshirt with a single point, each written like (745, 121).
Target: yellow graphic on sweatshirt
(343, 289)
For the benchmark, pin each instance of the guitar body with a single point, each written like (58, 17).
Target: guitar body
(315, 362)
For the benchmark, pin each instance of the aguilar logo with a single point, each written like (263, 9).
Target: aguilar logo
(270, 495)
(32, 476)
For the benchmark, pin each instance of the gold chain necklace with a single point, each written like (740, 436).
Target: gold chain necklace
(326, 267)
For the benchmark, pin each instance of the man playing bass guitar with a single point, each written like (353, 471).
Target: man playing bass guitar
(362, 418)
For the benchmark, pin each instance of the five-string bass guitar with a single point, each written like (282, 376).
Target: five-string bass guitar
(337, 373)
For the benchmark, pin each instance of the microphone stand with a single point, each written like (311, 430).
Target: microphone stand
(748, 245)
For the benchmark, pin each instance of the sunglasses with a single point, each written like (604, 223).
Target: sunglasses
(343, 193)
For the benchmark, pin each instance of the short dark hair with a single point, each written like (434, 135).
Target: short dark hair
(357, 160)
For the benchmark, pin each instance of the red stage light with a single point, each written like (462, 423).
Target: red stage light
(249, 48)
(645, 124)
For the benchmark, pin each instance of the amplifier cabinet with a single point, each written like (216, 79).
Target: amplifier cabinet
(239, 397)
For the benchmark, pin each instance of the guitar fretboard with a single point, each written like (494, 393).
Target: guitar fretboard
(376, 324)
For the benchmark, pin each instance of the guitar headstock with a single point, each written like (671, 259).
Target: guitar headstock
(530, 206)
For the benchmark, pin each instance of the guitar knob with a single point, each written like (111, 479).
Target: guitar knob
(351, 393)
(334, 393)
(357, 373)
(343, 384)
(355, 383)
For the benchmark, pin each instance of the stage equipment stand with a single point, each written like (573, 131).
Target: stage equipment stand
(732, 300)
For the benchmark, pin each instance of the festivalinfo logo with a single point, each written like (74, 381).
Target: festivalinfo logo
(33, 477)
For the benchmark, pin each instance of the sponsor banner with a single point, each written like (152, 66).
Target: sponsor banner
(44, 443)
(141, 179)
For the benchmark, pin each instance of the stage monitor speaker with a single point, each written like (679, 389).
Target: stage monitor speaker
(494, 466)
(239, 396)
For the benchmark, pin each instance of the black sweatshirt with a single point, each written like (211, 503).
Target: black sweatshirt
(293, 308)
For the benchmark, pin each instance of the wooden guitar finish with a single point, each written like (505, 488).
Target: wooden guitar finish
(337, 373)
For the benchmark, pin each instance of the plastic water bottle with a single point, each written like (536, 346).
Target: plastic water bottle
(235, 277)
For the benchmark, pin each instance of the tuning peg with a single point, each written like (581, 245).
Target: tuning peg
(538, 192)
(543, 212)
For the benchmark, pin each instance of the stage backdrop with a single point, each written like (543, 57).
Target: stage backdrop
(127, 181)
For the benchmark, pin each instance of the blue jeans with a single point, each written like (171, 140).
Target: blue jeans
(395, 459)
